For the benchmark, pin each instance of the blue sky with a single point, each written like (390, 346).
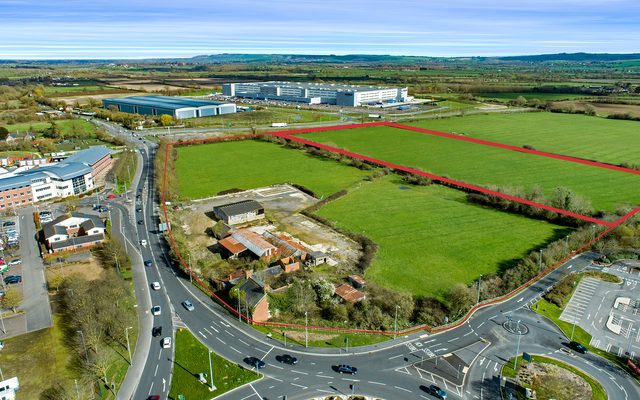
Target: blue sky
(44, 29)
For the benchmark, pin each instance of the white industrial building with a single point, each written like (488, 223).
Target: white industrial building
(316, 93)
(177, 107)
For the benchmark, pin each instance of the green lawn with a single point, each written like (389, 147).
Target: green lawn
(67, 126)
(598, 392)
(338, 340)
(606, 140)
(430, 238)
(191, 358)
(263, 117)
(486, 165)
(205, 170)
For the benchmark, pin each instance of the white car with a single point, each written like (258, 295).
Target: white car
(155, 285)
(17, 261)
(156, 310)
(166, 342)
(143, 243)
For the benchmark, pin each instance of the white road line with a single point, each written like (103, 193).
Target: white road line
(401, 388)
(391, 358)
(377, 383)
(299, 372)
(202, 334)
(467, 334)
(351, 380)
(221, 341)
(273, 377)
(256, 392)
(234, 349)
(214, 329)
(156, 371)
(300, 386)
(243, 342)
(229, 333)
(324, 376)
(208, 331)
(275, 366)
(481, 325)
(267, 353)
(453, 340)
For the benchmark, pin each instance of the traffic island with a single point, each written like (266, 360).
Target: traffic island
(548, 378)
(191, 376)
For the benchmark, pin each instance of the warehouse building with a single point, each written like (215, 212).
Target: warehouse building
(316, 93)
(177, 107)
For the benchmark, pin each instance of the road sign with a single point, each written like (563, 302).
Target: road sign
(526, 357)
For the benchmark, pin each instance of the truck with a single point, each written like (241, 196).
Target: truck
(375, 116)
(279, 124)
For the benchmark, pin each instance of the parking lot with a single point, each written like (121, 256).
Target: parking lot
(609, 312)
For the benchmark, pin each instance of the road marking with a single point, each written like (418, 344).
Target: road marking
(208, 331)
(267, 353)
(299, 372)
(351, 380)
(156, 371)
(570, 266)
(520, 299)
(429, 341)
(214, 329)
(453, 340)
(377, 383)
(202, 334)
(221, 341)
(150, 388)
(256, 392)
(234, 349)
(391, 358)
(300, 386)
(273, 377)
(243, 342)
(323, 376)
(401, 388)
(275, 366)
(479, 326)
(229, 333)
(467, 334)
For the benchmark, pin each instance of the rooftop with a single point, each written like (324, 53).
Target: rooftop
(254, 291)
(254, 239)
(77, 241)
(349, 293)
(89, 156)
(167, 102)
(239, 207)
(230, 243)
(311, 85)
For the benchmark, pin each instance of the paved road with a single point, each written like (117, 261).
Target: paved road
(34, 289)
(385, 370)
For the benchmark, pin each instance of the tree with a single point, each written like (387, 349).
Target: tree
(589, 109)
(4, 132)
(166, 120)
(460, 299)
(520, 101)
(12, 299)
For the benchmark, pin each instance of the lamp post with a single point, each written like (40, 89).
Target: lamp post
(515, 362)
(395, 323)
(573, 328)
(306, 330)
(540, 261)
(126, 333)
(212, 387)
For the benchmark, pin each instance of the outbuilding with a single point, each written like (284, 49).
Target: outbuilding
(239, 212)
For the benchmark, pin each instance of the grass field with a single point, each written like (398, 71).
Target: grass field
(67, 126)
(430, 238)
(263, 117)
(191, 358)
(612, 141)
(506, 96)
(205, 170)
(486, 165)
(322, 339)
(74, 89)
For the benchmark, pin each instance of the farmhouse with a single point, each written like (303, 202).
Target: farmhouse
(75, 231)
(347, 293)
(239, 212)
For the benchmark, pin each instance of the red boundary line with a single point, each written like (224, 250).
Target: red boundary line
(461, 321)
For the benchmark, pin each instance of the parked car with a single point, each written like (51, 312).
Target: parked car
(437, 392)
(11, 279)
(166, 342)
(347, 369)
(578, 347)
(255, 362)
(17, 261)
(156, 331)
(112, 196)
(188, 305)
(148, 263)
(143, 243)
(155, 285)
(8, 223)
(156, 310)
(138, 209)
(287, 359)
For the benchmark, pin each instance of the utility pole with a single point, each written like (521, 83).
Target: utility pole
(540, 261)
(347, 341)
(126, 332)
(479, 280)
(306, 330)
(211, 386)
(573, 328)
(395, 323)
(515, 362)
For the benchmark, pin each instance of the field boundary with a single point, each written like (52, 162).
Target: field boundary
(288, 134)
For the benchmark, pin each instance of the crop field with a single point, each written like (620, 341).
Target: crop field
(205, 170)
(486, 165)
(431, 238)
(605, 140)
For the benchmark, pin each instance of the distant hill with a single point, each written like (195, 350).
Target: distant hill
(580, 57)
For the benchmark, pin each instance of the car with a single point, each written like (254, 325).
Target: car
(156, 310)
(103, 209)
(11, 279)
(155, 285)
(139, 209)
(148, 263)
(287, 359)
(112, 196)
(17, 261)
(166, 342)
(143, 243)
(578, 347)
(156, 331)
(8, 223)
(140, 222)
(347, 369)
(437, 392)
(154, 397)
(188, 305)
(255, 362)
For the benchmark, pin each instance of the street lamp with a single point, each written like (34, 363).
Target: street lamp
(212, 387)
(540, 261)
(515, 362)
(126, 333)
(306, 330)
(395, 323)
(239, 312)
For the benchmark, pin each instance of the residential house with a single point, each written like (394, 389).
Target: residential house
(14, 137)
(348, 293)
(254, 298)
(239, 212)
(74, 231)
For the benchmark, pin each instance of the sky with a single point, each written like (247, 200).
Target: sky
(115, 29)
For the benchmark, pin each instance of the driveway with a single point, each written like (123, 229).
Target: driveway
(36, 300)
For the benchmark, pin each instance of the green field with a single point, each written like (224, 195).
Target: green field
(67, 127)
(191, 359)
(264, 117)
(486, 165)
(606, 140)
(531, 95)
(75, 89)
(430, 238)
(205, 170)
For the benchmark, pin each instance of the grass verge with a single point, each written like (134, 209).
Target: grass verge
(322, 338)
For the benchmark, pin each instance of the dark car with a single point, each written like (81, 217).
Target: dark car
(437, 392)
(154, 397)
(156, 331)
(103, 209)
(347, 369)
(578, 347)
(148, 263)
(140, 222)
(255, 362)
(287, 359)
(12, 279)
